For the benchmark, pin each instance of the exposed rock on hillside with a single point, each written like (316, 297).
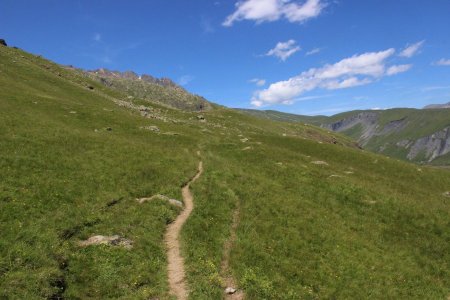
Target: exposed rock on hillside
(431, 146)
(160, 90)
(3, 42)
(114, 240)
(368, 121)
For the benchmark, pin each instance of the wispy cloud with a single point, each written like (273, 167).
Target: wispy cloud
(435, 88)
(185, 79)
(349, 72)
(313, 51)
(442, 62)
(258, 81)
(97, 37)
(411, 50)
(273, 10)
(206, 25)
(283, 50)
(392, 70)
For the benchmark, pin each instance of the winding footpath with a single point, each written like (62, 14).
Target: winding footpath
(176, 274)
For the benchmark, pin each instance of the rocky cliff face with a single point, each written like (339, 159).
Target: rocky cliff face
(368, 121)
(431, 146)
(425, 148)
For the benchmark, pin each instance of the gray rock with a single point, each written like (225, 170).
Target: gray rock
(432, 146)
(114, 240)
(3, 43)
(230, 290)
(151, 128)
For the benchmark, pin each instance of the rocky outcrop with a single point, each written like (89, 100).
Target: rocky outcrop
(3, 42)
(146, 87)
(114, 240)
(431, 146)
(393, 126)
(368, 121)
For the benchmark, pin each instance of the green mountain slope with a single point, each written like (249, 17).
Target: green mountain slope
(318, 217)
(419, 135)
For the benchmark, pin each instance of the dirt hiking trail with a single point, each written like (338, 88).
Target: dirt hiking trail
(176, 274)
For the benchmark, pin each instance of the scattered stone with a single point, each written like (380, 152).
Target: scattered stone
(320, 162)
(200, 117)
(171, 133)
(95, 130)
(446, 194)
(108, 129)
(348, 172)
(279, 163)
(230, 290)
(371, 202)
(244, 140)
(114, 240)
(3, 43)
(284, 134)
(90, 87)
(334, 175)
(161, 197)
(151, 128)
(72, 112)
(246, 148)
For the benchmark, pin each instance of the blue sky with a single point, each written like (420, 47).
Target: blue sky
(298, 56)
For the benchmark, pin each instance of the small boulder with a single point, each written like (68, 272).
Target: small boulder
(151, 128)
(3, 43)
(230, 290)
(114, 240)
(446, 194)
(320, 162)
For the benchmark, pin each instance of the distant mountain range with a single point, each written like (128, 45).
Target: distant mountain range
(419, 135)
(437, 106)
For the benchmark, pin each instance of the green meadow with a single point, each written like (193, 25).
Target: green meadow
(319, 217)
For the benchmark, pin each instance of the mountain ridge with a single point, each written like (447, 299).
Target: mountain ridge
(418, 135)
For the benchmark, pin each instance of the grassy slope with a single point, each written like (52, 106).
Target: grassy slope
(420, 123)
(378, 232)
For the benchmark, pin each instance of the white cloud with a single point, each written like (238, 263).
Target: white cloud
(349, 72)
(272, 10)
(284, 49)
(313, 51)
(411, 50)
(442, 62)
(392, 70)
(258, 82)
(185, 79)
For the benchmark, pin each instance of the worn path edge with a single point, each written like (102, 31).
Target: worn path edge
(176, 273)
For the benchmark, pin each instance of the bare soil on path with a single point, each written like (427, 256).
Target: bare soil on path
(176, 273)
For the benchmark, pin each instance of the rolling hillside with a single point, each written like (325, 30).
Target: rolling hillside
(418, 135)
(283, 210)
